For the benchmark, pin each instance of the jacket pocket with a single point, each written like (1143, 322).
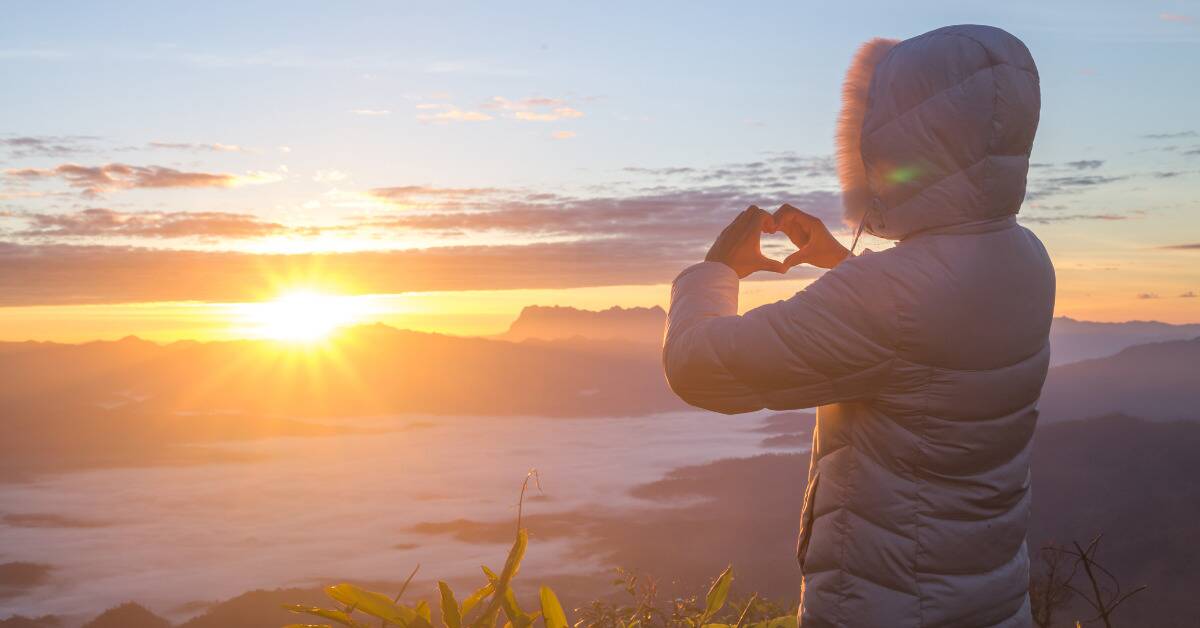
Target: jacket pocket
(807, 518)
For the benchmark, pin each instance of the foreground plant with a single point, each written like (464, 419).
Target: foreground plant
(360, 608)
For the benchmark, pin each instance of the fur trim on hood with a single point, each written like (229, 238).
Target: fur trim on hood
(856, 194)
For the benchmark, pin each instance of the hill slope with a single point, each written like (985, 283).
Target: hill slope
(1073, 340)
(1159, 381)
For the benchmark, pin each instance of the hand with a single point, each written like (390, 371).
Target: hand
(738, 245)
(815, 244)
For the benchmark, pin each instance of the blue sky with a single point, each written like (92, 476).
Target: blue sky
(306, 108)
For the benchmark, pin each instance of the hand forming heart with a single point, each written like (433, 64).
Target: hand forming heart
(738, 246)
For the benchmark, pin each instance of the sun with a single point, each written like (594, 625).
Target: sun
(301, 315)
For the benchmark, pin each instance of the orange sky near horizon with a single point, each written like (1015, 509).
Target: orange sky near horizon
(1084, 294)
(441, 183)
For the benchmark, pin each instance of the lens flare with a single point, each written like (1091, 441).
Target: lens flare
(301, 315)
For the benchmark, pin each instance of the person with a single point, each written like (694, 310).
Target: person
(925, 360)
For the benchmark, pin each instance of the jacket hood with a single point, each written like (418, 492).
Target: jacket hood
(936, 131)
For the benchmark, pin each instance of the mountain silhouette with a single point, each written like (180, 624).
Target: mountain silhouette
(128, 615)
(1159, 381)
(1074, 340)
(635, 324)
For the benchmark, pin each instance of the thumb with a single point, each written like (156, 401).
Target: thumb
(797, 258)
(775, 266)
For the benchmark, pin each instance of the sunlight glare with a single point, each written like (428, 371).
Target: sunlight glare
(302, 316)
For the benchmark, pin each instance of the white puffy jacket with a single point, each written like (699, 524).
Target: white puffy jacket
(926, 360)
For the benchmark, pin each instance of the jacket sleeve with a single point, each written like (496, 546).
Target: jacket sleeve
(831, 342)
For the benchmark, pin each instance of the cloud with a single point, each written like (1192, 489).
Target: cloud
(1053, 186)
(95, 180)
(106, 222)
(534, 109)
(455, 115)
(47, 145)
(371, 112)
(55, 274)
(215, 147)
(1177, 18)
(1086, 164)
(661, 172)
(1168, 136)
(686, 216)
(1188, 295)
(423, 195)
(623, 232)
(558, 113)
(524, 104)
(1182, 247)
(1147, 295)
(1049, 219)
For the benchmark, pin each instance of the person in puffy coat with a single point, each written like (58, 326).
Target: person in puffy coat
(925, 360)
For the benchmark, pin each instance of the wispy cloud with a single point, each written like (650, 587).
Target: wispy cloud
(95, 180)
(1041, 188)
(558, 113)
(47, 145)
(1085, 164)
(634, 231)
(454, 114)
(563, 135)
(371, 112)
(1169, 136)
(49, 274)
(1177, 18)
(534, 109)
(1147, 295)
(1195, 246)
(215, 147)
(1045, 219)
(107, 222)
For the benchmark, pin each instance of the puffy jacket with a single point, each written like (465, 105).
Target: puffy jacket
(925, 360)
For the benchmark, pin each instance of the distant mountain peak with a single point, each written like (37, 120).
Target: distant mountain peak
(128, 615)
(557, 322)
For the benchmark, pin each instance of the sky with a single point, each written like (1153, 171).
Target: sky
(442, 165)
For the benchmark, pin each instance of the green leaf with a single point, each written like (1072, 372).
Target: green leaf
(718, 593)
(372, 603)
(422, 609)
(517, 617)
(506, 575)
(477, 597)
(340, 617)
(552, 612)
(515, 556)
(451, 615)
(787, 621)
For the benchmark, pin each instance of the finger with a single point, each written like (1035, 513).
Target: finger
(789, 214)
(773, 265)
(751, 221)
(796, 259)
(784, 213)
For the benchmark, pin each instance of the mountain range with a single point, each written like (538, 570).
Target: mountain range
(131, 401)
(1071, 340)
